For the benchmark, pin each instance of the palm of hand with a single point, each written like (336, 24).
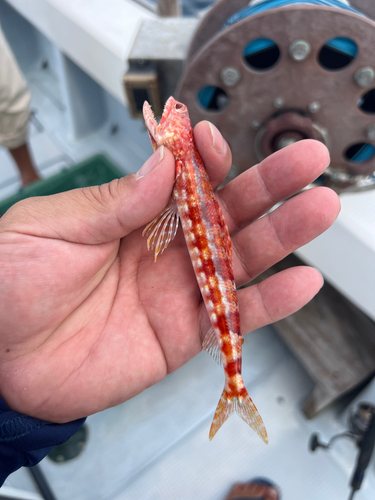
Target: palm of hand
(88, 322)
(106, 314)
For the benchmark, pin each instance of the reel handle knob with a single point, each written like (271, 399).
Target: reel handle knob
(314, 443)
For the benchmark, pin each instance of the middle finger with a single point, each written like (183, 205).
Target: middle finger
(279, 176)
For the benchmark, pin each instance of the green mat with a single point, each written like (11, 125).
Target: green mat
(92, 172)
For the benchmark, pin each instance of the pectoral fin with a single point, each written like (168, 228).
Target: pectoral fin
(161, 231)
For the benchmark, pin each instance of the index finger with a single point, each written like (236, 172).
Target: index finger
(214, 151)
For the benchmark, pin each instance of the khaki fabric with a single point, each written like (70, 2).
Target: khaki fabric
(14, 99)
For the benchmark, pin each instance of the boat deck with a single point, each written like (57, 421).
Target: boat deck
(156, 445)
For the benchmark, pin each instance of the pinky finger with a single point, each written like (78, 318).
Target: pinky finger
(277, 297)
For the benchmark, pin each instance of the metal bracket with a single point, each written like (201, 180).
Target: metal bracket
(156, 60)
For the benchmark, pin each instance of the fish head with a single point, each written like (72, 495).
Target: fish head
(174, 129)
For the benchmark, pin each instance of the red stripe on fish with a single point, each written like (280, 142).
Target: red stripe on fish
(209, 245)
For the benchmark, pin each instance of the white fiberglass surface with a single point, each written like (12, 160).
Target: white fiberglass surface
(156, 445)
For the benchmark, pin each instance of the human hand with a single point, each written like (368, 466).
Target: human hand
(88, 320)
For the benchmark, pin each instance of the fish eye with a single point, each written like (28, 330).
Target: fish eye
(179, 106)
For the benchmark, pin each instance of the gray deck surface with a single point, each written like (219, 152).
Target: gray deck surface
(156, 445)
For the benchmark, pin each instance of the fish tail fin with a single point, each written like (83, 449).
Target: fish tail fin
(243, 405)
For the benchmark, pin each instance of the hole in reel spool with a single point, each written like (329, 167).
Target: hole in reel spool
(367, 102)
(360, 152)
(212, 98)
(261, 54)
(337, 53)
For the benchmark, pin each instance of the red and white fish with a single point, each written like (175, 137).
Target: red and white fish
(210, 248)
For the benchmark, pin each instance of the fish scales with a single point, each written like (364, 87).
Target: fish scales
(203, 228)
(208, 242)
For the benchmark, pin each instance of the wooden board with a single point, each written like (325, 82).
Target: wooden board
(168, 8)
(332, 338)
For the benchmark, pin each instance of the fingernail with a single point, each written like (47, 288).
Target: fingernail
(151, 163)
(218, 142)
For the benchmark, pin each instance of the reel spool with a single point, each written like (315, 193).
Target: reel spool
(279, 71)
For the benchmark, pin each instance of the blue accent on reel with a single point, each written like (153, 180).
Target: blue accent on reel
(212, 98)
(273, 4)
(344, 45)
(366, 153)
(205, 96)
(258, 45)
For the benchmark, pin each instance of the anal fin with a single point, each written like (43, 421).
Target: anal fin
(211, 345)
(161, 231)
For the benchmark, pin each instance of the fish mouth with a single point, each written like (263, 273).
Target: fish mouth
(171, 106)
(150, 121)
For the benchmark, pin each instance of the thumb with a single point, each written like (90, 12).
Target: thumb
(98, 214)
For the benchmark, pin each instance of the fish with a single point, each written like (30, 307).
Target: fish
(193, 203)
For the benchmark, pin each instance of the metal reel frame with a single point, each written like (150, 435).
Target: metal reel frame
(288, 86)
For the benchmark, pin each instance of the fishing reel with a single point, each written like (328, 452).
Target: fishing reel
(274, 72)
(362, 431)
